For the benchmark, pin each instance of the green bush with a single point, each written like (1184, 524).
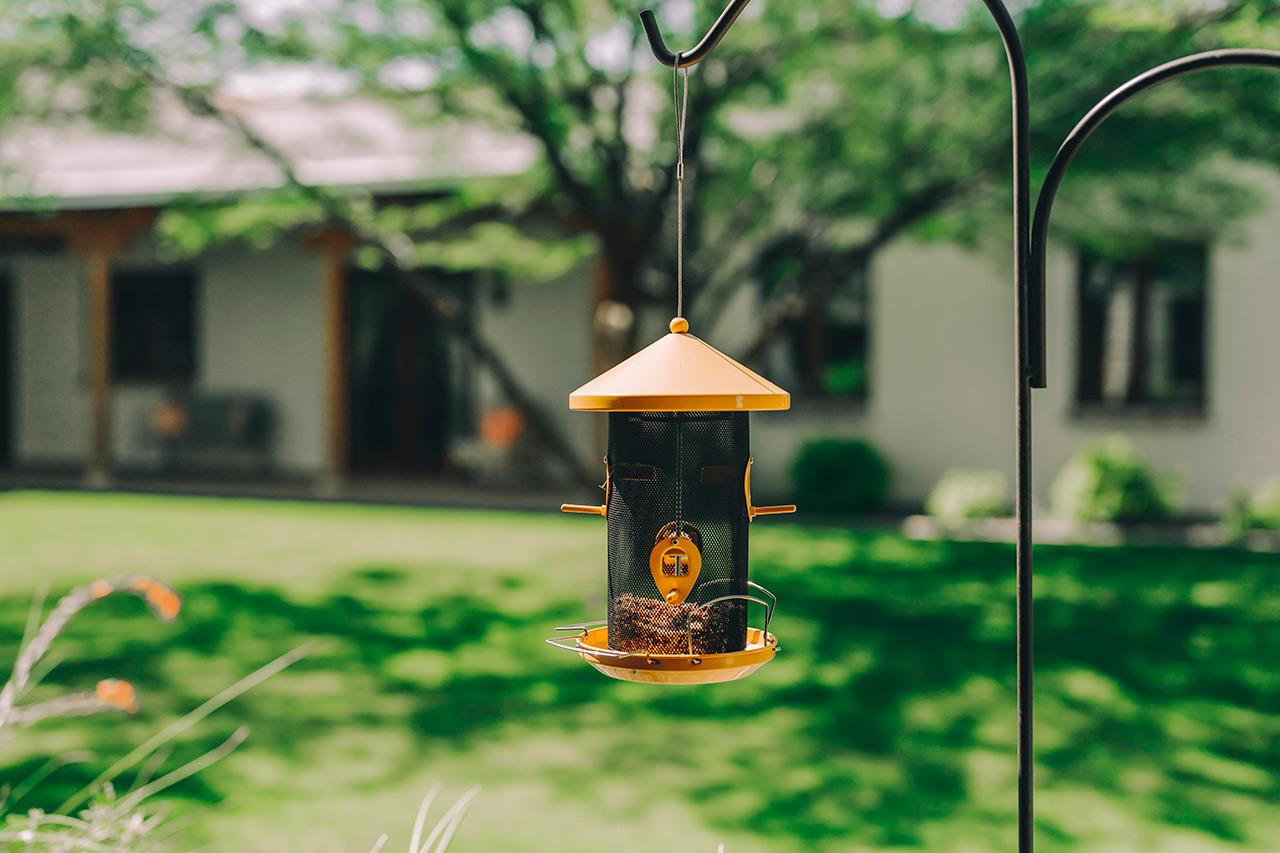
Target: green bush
(1257, 511)
(840, 475)
(1110, 480)
(961, 494)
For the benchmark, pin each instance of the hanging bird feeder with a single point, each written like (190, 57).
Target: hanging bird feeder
(677, 505)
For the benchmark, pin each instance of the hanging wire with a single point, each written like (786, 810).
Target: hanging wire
(682, 112)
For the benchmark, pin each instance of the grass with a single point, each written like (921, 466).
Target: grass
(885, 724)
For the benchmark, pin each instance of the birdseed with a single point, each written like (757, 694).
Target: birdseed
(646, 624)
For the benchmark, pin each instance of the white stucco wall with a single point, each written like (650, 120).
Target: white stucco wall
(50, 371)
(542, 333)
(1237, 441)
(262, 334)
(941, 364)
(259, 330)
(941, 374)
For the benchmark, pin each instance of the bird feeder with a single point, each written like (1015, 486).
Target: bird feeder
(677, 505)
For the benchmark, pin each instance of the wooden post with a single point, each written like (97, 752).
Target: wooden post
(100, 236)
(335, 247)
(99, 262)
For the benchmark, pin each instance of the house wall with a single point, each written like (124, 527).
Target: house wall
(1237, 441)
(941, 377)
(50, 370)
(542, 332)
(259, 331)
(262, 334)
(940, 365)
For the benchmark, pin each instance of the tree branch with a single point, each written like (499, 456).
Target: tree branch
(928, 200)
(395, 248)
(535, 123)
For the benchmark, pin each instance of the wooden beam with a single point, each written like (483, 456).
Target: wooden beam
(99, 263)
(100, 236)
(334, 246)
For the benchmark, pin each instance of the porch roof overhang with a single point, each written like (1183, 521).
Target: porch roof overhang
(355, 144)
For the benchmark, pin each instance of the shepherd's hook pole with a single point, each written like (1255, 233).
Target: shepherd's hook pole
(1028, 348)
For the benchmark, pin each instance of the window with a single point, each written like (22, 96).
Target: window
(1142, 331)
(153, 327)
(822, 351)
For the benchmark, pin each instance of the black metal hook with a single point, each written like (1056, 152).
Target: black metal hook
(1058, 169)
(702, 49)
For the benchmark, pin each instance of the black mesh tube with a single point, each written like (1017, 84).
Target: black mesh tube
(677, 471)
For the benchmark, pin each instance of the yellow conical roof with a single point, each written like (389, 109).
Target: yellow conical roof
(679, 373)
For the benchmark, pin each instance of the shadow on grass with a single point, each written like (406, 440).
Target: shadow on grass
(890, 710)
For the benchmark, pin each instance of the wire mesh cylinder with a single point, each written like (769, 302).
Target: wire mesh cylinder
(678, 474)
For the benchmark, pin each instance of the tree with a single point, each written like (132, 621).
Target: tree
(818, 132)
(908, 133)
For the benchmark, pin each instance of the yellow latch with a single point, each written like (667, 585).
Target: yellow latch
(675, 561)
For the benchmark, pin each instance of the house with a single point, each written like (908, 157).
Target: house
(99, 330)
(107, 351)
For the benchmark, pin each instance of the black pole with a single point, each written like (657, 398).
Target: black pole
(1029, 321)
(1023, 369)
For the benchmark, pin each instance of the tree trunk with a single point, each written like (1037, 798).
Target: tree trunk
(815, 332)
(616, 306)
(615, 318)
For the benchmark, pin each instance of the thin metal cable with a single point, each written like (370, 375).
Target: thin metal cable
(682, 112)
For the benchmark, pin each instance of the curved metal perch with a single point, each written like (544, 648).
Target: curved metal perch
(1087, 125)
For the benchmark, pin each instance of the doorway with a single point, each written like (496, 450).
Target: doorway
(402, 397)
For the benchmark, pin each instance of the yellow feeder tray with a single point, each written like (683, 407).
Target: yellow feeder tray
(593, 645)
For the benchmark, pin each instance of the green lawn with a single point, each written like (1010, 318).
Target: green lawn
(885, 724)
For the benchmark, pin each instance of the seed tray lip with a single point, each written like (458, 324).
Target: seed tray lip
(678, 669)
(589, 641)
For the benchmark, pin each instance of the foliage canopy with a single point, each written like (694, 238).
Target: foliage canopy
(820, 131)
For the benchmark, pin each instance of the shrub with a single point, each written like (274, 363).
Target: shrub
(1110, 480)
(1259, 510)
(840, 475)
(961, 494)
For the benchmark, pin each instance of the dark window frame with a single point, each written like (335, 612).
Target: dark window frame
(816, 343)
(154, 326)
(1187, 319)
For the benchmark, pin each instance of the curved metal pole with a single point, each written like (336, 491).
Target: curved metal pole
(1075, 139)
(1022, 415)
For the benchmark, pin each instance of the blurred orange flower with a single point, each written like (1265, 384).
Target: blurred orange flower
(118, 693)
